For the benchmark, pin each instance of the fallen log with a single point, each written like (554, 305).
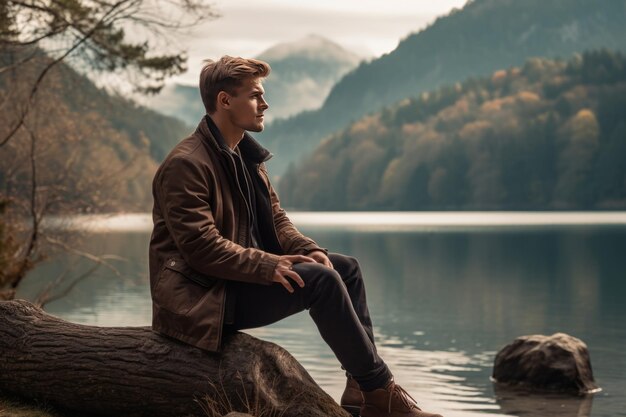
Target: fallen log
(131, 371)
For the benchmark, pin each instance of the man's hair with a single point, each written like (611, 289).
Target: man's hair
(226, 75)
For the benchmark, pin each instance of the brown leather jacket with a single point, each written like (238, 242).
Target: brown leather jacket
(201, 235)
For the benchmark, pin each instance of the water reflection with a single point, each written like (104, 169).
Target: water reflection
(442, 303)
(528, 404)
(435, 378)
(105, 298)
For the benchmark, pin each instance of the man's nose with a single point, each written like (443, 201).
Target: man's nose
(264, 104)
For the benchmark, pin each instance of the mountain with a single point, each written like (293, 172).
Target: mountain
(180, 101)
(303, 72)
(550, 134)
(484, 36)
(140, 124)
(93, 150)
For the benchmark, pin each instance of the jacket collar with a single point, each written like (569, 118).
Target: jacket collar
(250, 149)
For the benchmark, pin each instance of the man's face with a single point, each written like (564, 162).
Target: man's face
(248, 105)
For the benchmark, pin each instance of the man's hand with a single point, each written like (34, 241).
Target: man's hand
(283, 270)
(321, 258)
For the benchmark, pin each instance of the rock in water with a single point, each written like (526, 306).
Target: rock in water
(134, 372)
(554, 363)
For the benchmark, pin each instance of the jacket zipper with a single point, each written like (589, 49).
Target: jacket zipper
(219, 331)
(223, 306)
(248, 209)
(269, 197)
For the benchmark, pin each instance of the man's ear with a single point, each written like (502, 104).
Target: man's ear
(223, 99)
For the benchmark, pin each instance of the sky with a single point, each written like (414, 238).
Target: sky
(246, 28)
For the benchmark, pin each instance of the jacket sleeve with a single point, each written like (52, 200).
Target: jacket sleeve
(291, 240)
(183, 194)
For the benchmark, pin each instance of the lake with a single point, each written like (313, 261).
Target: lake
(446, 291)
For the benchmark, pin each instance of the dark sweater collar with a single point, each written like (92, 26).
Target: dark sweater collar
(250, 149)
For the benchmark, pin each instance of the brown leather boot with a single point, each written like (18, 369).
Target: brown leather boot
(391, 401)
(352, 398)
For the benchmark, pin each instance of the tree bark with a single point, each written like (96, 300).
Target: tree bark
(132, 371)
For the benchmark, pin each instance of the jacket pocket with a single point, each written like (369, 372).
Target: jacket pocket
(179, 288)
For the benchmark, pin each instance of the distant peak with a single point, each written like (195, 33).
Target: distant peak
(315, 36)
(311, 46)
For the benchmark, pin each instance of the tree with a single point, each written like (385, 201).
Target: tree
(575, 162)
(95, 34)
(46, 147)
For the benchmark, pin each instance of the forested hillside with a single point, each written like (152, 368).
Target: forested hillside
(125, 116)
(550, 134)
(89, 149)
(486, 35)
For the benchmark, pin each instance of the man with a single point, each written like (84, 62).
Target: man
(224, 255)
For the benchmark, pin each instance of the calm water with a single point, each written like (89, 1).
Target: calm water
(445, 294)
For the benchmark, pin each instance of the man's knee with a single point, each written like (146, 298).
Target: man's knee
(345, 265)
(320, 283)
(314, 274)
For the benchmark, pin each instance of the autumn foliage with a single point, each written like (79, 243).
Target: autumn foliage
(548, 135)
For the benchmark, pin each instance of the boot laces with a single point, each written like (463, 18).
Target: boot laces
(403, 396)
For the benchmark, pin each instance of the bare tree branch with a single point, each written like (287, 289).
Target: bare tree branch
(46, 297)
(101, 260)
(34, 234)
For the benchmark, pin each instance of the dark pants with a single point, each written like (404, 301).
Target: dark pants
(336, 302)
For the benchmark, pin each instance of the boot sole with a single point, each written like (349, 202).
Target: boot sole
(353, 410)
